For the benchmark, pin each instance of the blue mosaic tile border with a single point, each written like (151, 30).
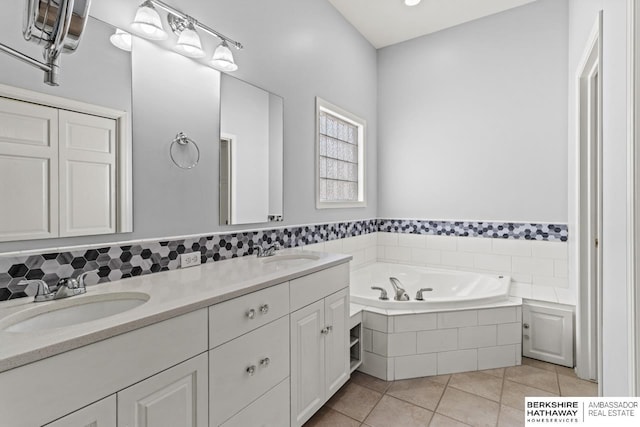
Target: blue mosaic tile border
(501, 230)
(118, 262)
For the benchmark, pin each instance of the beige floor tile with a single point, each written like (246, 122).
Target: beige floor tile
(510, 417)
(468, 408)
(534, 377)
(439, 420)
(563, 370)
(513, 394)
(442, 379)
(327, 417)
(478, 383)
(368, 381)
(354, 401)
(576, 387)
(419, 391)
(392, 412)
(499, 372)
(539, 364)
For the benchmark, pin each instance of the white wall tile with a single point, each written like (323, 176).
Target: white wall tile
(371, 253)
(511, 247)
(457, 319)
(548, 249)
(521, 290)
(497, 357)
(412, 240)
(419, 365)
(367, 339)
(380, 343)
(509, 333)
(415, 322)
(550, 281)
(380, 253)
(457, 361)
(477, 336)
(401, 344)
(387, 239)
(474, 244)
(496, 315)
(318, 247)
(350, 244)
(560, 268)
(458, 259)
(566, 296)
(333, 246)
(533, 266)
(442, 243)
(397, 253)
(437, 340)
(544, 293)
(521, 277)
(375, 321)
(357, 257)
(426, 256)
(493, 262)
(374, 365)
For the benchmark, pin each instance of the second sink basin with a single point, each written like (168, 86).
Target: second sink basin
(72, 311)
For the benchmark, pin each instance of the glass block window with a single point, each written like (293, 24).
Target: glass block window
(340, 157)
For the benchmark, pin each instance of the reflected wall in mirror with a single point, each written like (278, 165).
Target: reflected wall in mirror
(65, 151)
(251, 153)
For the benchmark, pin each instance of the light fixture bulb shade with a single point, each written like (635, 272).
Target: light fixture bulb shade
(147, 23)
(189, 43)
(411, 2)
(223, 58)
(121, 40)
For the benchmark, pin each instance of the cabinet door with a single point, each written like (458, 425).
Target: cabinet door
(307, 362)
(87, 174)
(336, 316)
(175, 397)
(99, 414)
(28, 171)
(548, 334)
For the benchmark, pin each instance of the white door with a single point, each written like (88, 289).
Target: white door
(307, 362)
(548, 334)
(87, 174)
(336, 317)
(28, 171)
(99, 414)
(175, 397)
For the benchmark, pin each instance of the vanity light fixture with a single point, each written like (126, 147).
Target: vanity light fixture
(121, 40)
(149, 25)
(147, 22)
(411, 2)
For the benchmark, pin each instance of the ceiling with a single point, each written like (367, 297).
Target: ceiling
(386, 22)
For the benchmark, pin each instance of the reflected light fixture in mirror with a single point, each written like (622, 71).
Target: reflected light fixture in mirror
(223, 58)
(121, 40)
(147, 22)
(189, 43)
(411, 2)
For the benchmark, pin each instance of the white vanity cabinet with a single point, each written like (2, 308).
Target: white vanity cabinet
(99, 414)
(319, 340)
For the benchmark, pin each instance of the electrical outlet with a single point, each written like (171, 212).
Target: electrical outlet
(190, 259)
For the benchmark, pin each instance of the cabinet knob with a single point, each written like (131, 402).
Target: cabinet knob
(251, 370)
(251, 313)
(264, 308)
(525, 325)
(265, 362)
(324, 331)
(329, 328)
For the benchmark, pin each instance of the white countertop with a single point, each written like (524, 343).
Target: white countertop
(172, 293)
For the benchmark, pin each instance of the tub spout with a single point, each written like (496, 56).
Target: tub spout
(383, 293)
(401, 294)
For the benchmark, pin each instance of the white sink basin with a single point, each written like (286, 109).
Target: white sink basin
(72, 311)
(290, 259)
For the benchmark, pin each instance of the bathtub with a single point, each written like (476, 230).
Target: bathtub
(450, 289)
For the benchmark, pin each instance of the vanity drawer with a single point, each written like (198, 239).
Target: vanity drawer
(232, 387)
(238, 316)
(313, 287)
(271, 410)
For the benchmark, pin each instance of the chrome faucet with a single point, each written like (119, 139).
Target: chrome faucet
(419, 296)
(401, 294)
(269, 251)
(43, 293)
(67, 287)
(383, 292)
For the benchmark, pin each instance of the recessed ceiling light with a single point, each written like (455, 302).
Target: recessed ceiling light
(411, 2)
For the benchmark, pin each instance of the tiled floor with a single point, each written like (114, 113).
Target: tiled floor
(486, 398)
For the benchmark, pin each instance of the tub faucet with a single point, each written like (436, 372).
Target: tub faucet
(383, 292)
(401, 294)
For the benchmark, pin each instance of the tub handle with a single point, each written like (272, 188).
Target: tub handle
(383, 292)
(419, 296)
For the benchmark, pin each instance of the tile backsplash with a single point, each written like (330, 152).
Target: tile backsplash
(122, 260)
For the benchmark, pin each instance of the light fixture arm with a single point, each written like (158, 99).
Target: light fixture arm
(195, 22)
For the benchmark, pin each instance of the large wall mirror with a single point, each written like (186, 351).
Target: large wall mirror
(251, 153)
(65, 151)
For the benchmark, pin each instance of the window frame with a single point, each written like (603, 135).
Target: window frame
(327, 107)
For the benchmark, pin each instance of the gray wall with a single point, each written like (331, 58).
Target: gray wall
(473, 120)
(297, 58)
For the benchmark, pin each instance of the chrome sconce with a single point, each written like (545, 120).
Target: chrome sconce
(148, 24)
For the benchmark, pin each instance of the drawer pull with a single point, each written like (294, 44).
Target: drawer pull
(324, 331)
(251, 370)
(525, 325)
(251, 313)
(265, 362)
(264, 308)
